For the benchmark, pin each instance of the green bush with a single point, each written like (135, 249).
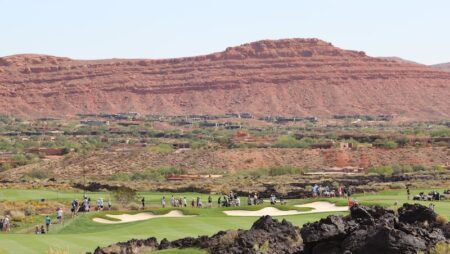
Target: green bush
(38, 174)
(397, 169)
(382, 170)
(441, 132)
(418, 167)
(161, 148)
(124, 195)
(287, 141)
(397, 186)
(120, 176)
(277, 171)
(385, 143)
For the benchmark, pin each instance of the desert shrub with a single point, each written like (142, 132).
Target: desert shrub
(17, 215)
(438, 168)
(277, 171)
(397, 169)
(402, 141)
(38, 174)
(120, 176)
(228, 238)
(385, 143)
(397, 186)
(288, 141)
(147, 175)
(23, 159)
(124, 195)
(170, 170)
(441, 132)
(382, 170)
(5, 167)
(441, 248)
(29, 211)
(133, 206)
(418, 167)
(442, 220)
(161, 148)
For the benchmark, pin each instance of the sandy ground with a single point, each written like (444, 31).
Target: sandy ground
(318, 207)
(124, 218)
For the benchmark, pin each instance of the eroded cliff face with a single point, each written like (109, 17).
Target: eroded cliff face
(281, 77)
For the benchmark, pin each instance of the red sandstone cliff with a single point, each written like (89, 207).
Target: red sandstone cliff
(285, 77)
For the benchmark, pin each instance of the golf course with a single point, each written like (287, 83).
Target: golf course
(82, 233)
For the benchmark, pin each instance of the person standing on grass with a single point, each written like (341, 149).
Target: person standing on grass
(74, 208)
(6, 224)
(219, 204)
(209, 201)
(60, 215)
(143, 203)
(163, 202)
(408, 192)
(47, 222)
(184, 202)
(109, 204)
(238, 201)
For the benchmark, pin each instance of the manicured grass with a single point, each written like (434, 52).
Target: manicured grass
(82, 234)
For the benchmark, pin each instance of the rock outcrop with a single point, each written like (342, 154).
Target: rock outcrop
(300, 77)
(266, 236)
(368, 230)
(375, 230)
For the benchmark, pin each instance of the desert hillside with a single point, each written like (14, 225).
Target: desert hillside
(103, 164)
(301, 77)
(442, 67)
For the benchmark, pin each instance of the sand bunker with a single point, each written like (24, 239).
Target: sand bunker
(124, 218)
(317, 207)
(320, 206)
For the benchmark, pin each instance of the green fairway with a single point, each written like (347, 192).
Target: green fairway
(82, 234)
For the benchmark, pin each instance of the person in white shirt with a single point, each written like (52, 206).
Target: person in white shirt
(60, 215)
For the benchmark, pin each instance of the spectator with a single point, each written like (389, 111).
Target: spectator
(60, 215)
(47, 223)
(163, 202)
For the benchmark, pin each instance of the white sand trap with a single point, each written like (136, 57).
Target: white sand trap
(317, 207)
(124, 218)
(272, 211)
(320, 207)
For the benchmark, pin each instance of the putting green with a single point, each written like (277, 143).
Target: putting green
(82, 234)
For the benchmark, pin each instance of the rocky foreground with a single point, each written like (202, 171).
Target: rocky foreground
(413, 229)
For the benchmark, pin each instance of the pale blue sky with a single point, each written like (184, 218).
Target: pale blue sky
(417, 30)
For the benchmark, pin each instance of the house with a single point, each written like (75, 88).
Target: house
(345, 145)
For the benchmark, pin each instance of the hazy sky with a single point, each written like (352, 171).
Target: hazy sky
(417, 30)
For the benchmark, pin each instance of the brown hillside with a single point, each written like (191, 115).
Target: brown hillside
(284, 77)
(103, 164)
(442, 67)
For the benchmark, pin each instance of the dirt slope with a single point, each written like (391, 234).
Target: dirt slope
(104, 163)
(281, 77)
(442, 67)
